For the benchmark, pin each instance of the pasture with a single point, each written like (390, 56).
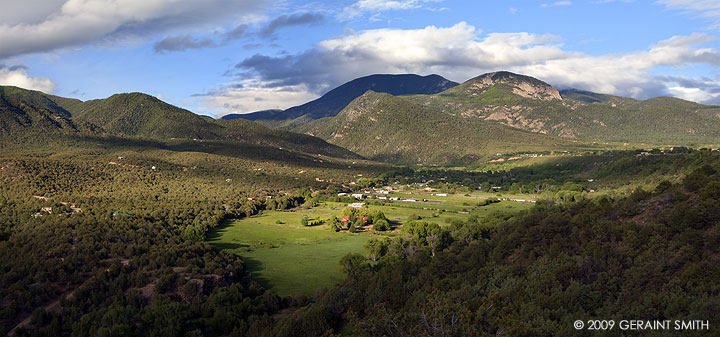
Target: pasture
(294, 260)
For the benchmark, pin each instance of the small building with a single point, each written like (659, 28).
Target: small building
(441, 194)
(123, 214)
(409, 200)
(154, 168)
(47, 210)
(357, 205)
(342, 194)
(382, 198)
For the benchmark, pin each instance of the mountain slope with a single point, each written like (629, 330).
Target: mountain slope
(532, 105)
(335, 100)
(137, 114)
(392, 129)
(23, 111)
(249, 132)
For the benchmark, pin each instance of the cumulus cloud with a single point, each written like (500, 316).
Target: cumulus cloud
(461, 51)
(253, 95)
(77, 22)
(18, 76)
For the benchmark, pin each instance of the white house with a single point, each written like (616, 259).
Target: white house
(358, 196)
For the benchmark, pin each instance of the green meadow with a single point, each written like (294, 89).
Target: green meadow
(294, 260)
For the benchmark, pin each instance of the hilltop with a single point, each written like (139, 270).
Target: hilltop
(336, 99)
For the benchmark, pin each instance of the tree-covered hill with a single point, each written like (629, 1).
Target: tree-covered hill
(392, 129)
(30, 111)
(31, 114)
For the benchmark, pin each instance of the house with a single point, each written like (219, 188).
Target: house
(123, 214)
(342, 194)
(357, 205)
(441, 194)
(394, 198)
(358, 196)
(409, 200)
(382, 198)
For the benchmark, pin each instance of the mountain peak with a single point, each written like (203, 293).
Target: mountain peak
(521, 85)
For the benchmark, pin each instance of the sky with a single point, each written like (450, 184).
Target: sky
(216, 57)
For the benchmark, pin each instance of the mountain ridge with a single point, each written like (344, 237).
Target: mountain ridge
(27, 113)
(336, 99)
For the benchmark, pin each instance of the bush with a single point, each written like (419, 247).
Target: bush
(381, 226)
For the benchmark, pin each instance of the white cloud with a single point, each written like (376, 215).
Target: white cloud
(709, 9)
(79, 22)
(18, 76)
(695, 94)
(374, 6)
(557, 4)
(461, 52)
(252, 95)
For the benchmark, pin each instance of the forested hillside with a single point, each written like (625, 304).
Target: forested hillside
(26, 114)
(650, 255)
(392, 129)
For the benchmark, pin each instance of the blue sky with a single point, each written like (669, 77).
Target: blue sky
(233, 56)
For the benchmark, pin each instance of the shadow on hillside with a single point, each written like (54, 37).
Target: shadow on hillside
(216, 147)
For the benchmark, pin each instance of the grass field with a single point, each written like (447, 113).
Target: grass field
(295, 260)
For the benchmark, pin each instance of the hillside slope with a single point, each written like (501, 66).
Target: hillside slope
(32, 114)
(392, 129)
(137, 114)
(335, 100)
(23, 111)
(532, 105)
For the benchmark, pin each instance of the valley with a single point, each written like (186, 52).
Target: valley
(293, 259)
(330, 218)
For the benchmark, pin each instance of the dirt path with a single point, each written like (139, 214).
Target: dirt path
(52, 306)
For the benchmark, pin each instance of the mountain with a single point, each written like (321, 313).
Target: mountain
(335, 100)
(24, 111)
(138, 114)
(268, 114)
(383, 127)
(529, 104)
